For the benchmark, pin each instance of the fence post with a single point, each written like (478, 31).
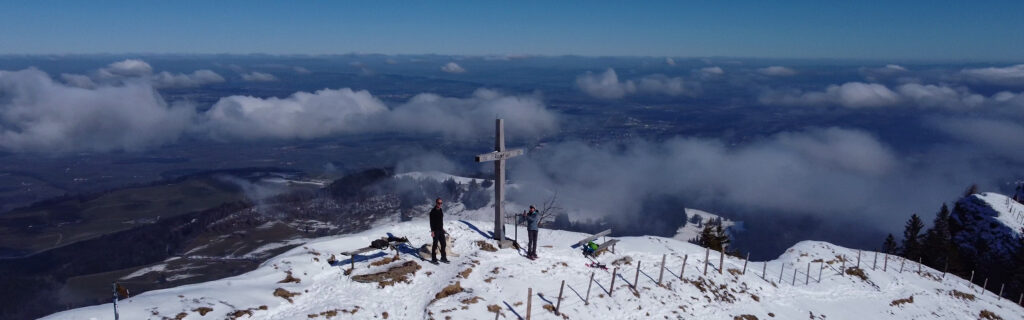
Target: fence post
(885, 264)
(764, 271)
(683, 269)
(745, 264)
(972, 280)
(875, 262)
(858, 258)
(559, 304)
(807, 276)
(919, 265)
(586, 301)
(781, 270)
(821, 268)
(707, 251)
(1001, 286)
(793, 282)
(1020, 301)
(662, 271)
(902, 260)
(721, 260)
(984, 288)
(636, 278)
(611, 288)
(944, 270)
(842, 268)
(529, 302)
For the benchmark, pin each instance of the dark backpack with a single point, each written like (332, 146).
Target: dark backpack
(379, 244)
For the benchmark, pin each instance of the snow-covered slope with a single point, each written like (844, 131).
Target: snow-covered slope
(691, 230)
(492, 281)
(989, 220)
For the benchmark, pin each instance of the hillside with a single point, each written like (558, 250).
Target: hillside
(499, 281)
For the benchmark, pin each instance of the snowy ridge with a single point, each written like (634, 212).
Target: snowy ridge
(500, 279)
(989, 219)
(1006, 210)
(691, 230)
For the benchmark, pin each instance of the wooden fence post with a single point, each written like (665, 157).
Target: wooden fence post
(764, 271)
(821, 268)
(919, 265)
(984, 288)
(1001, 290)
(842, 268)
(707, 252)
(636, 278)
(1020, 301)
(944, 270)
(972, 280)
(683, 269)
(902, 260)
(721, 260)
(885, 264)
(611, 288)
(745, 264)
(858, 258)
(875, 262)
(793, 282)
(661, 273)
(807, 278)
(586, 301)
(781, 270)
(529, 302)
(559, 304)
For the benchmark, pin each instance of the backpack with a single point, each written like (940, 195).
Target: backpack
(379, 244)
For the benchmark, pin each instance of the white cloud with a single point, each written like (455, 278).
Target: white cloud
(127, 68)
(301, 70)
(712, 71)
(660, 84)
(1005, 76)
(670, 61)
(330, 112)
(452, 67)
(605, 85)
(40, 115)
(78, 80)
(889, 70)
(256, 76)
(197, 78)
(864, 95)
(776, 71)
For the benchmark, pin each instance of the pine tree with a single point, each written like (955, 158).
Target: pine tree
(912, 238)
(938, 248)
(889, 246)
(721, 239)
(705, 238)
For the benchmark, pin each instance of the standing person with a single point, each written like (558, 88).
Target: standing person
(532, 224)
(437, 232)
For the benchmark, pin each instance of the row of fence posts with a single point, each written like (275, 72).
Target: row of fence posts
(764, 276)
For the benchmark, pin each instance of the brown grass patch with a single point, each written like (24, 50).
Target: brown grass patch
(384, 261)
(962, 295)
(399, 273)
(493, 308)
(857, 272)
(623, 261)
(202, 310)
(734, 271)
(898, 302)
(471, 300)
(486, 246)
(384, 315)
(465, 273)
(289, 278)
(448, 291)
(745, 317)
(180, 316)
(985, 314)
(287, 295)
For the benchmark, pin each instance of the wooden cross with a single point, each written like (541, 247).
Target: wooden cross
(499, 156)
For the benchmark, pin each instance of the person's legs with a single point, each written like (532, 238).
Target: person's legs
(444, 243)
(533, 242)
(433, 250)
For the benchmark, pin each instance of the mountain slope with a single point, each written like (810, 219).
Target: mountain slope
(500, 279)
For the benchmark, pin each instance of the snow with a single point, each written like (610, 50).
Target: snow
(1008, 211)
(502, 278)
(691, 230)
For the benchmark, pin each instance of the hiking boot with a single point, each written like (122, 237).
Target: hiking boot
(434, 261)
(445, 260)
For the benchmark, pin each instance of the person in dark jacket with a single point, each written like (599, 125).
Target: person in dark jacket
(532, 225)
(437, 232)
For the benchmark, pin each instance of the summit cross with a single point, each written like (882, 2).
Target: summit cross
(499, 155)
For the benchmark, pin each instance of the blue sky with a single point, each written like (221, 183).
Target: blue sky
(924, 30)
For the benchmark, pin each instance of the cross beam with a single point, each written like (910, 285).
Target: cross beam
(499, 155)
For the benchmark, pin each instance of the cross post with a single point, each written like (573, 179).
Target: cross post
(499, 155)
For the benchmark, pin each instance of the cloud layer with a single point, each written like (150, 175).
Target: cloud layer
(607, 85)
(868, 95)
(452, 67)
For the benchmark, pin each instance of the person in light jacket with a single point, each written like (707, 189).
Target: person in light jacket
(532, 225)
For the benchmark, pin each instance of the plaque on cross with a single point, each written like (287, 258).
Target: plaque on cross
(499, 156)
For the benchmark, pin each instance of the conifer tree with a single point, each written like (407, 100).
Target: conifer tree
(938, 248)
(912, 238)
(889, 246)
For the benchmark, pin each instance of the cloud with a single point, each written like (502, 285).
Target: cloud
(868, 95)
(78, 80)
(301, 70)
(197, 78)
(1005, 76)
(997, 136)
(670, 61)
(452, 67)
(330, 112)
(607, 85)
(712, 71)
(127, 68)
(777, 71)
(889, 70)
(40, 115)
(256, 76)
